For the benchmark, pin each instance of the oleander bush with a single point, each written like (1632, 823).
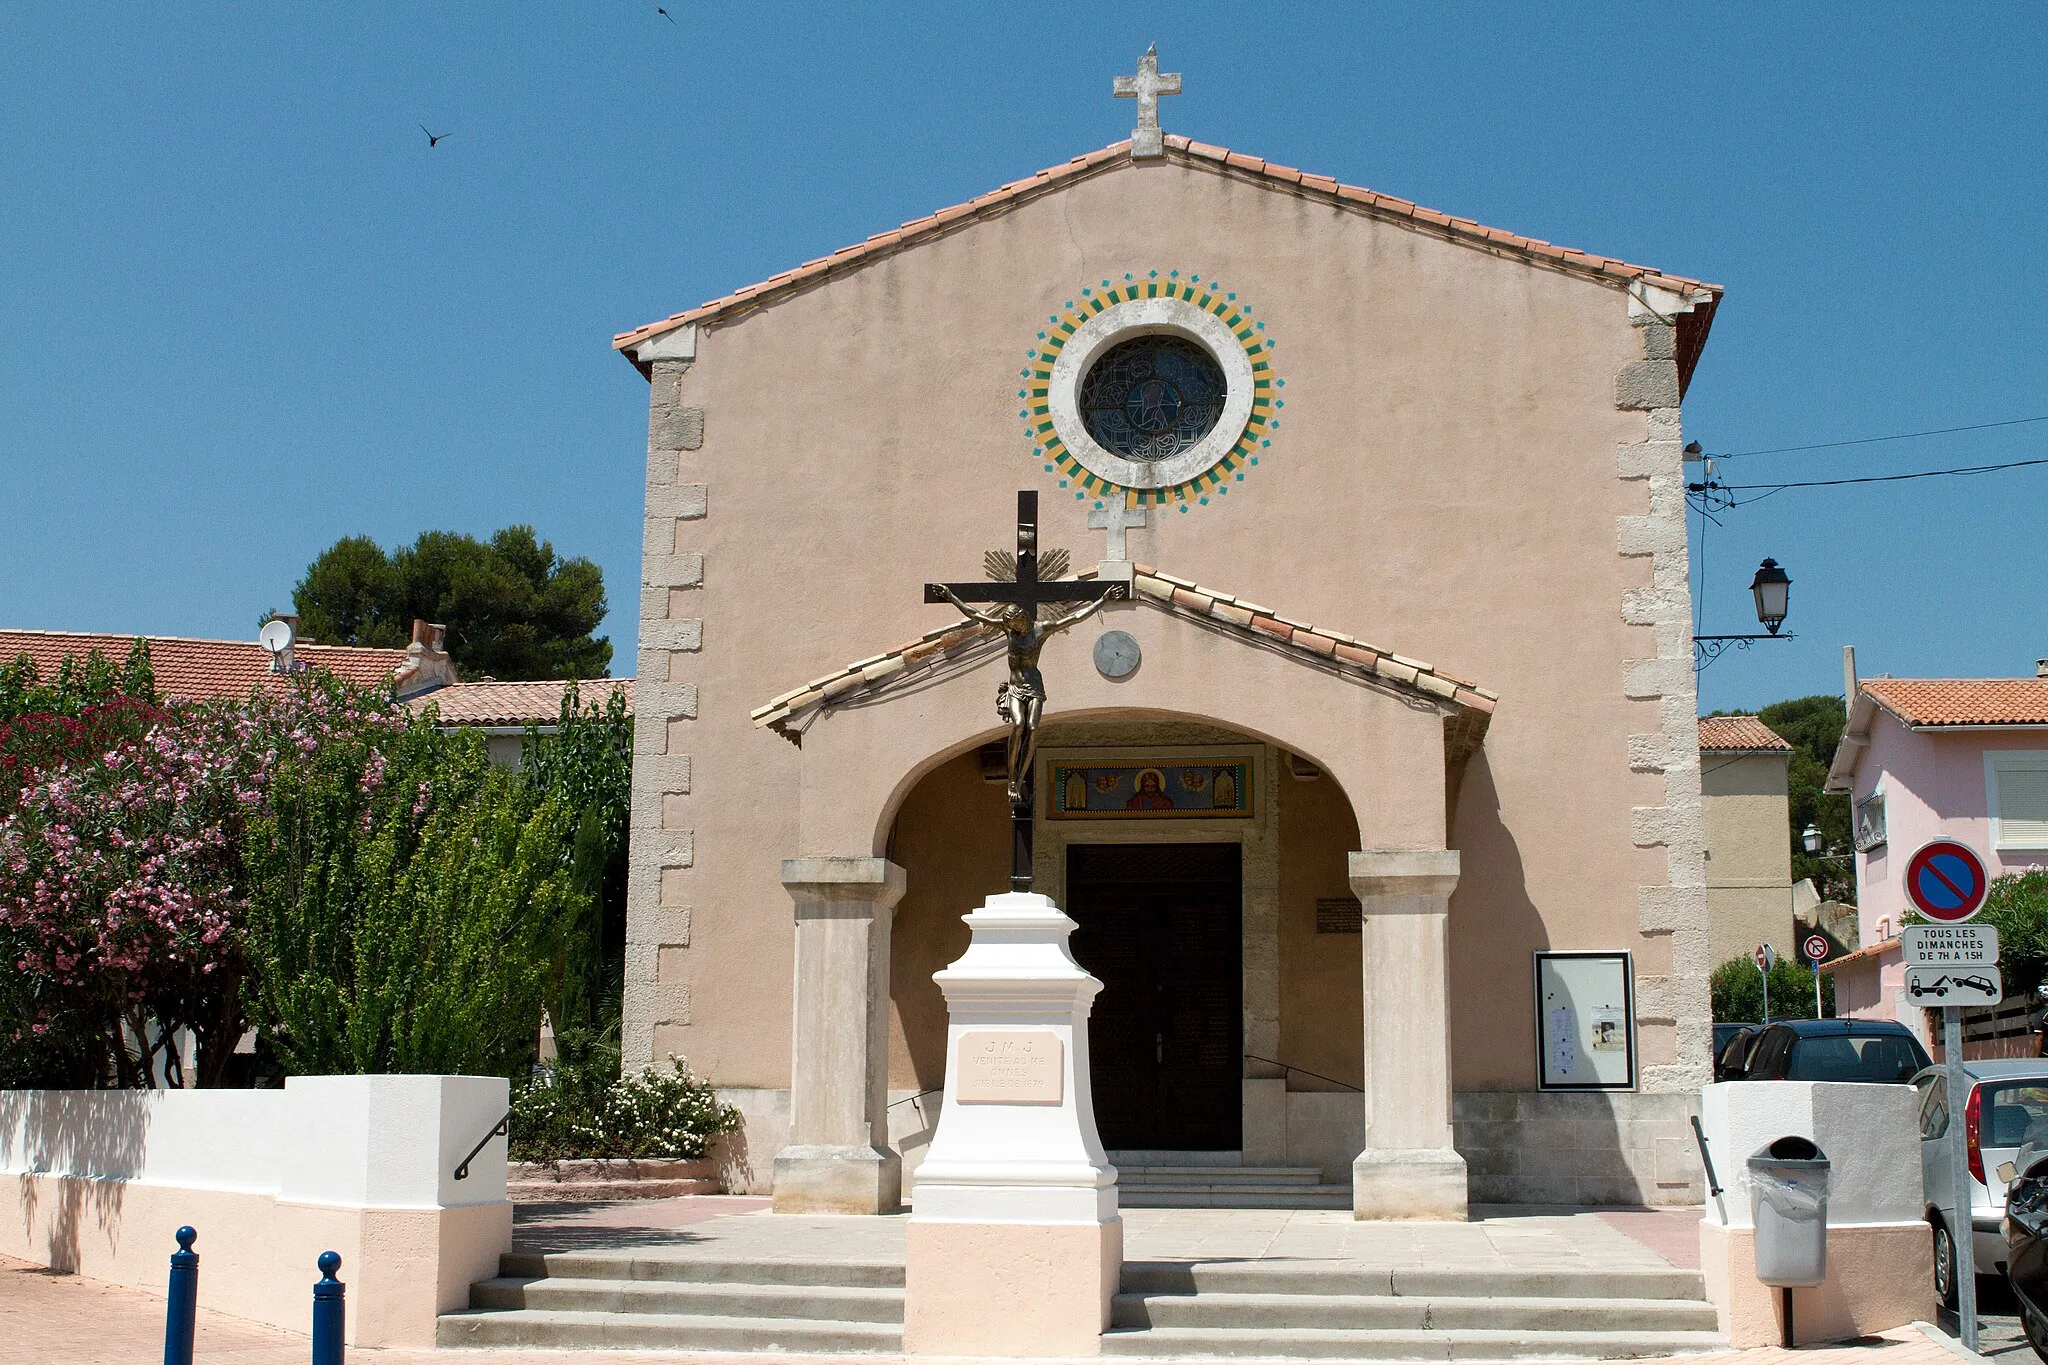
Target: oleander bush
(317, 870)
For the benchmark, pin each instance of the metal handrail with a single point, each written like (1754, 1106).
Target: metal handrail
(504, 1127)
(1284, 1066)
(1700, 1134)
(912, 1099)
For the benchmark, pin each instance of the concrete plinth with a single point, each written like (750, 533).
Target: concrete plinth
(825, 1178)
(1015, 1244)
(1412, 1183)
(1010, 1289)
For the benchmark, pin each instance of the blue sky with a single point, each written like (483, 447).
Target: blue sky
(249, 311)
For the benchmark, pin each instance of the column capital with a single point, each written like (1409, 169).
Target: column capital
(1403, 872)
(843, 879)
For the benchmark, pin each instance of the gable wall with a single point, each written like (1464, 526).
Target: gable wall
(1444, 483)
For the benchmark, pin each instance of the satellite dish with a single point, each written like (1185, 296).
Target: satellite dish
(276, 636)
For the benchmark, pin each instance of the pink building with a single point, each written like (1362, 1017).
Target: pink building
(1928, 758)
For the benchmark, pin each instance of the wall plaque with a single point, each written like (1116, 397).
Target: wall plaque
(1010, 1066)
(1339, 915)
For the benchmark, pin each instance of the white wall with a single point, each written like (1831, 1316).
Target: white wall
(1870, 1134)
(96, 1182)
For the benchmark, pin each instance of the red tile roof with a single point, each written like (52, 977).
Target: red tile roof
(1692, 326)
(516, 703)
(1739, 734)
(196, 670)
(1962, 701)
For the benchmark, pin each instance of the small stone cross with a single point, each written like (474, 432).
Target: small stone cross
(1116, 519)
(1146, 87)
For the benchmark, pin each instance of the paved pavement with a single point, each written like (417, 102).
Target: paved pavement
(1498, 1237)
(50, 1319)
(1998, 1323)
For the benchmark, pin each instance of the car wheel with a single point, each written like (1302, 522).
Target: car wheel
(1945, 1267)
(2036, 1330)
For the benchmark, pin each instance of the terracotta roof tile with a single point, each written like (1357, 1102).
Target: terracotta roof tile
(516, 703)
(199, 670)
(1963, 701)
(1189, 151)
(1739, 734)
(1474, 704)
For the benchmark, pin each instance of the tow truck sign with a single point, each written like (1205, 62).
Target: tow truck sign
(1936, 986)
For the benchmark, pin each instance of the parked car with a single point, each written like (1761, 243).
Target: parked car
(1731, 1052)
(2006, 1102)
(1724, 1034)
(1874, 1050)
(2026, 1242)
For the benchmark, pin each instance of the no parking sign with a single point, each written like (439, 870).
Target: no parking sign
(1946, 882)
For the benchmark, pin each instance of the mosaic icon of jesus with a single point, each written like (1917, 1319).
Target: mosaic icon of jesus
(1151, 793)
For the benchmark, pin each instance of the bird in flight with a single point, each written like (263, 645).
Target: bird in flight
(434, 139)
(666, 15)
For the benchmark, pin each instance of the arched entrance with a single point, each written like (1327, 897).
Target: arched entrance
(1216, 910)
(1392, 734)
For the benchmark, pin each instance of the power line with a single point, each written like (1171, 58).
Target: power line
(1874, 440)
(1768, 488)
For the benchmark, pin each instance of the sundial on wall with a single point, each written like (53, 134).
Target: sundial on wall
(1153, 390)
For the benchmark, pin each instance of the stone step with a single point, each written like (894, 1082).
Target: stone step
(524, 1265)
(602, 1191)
(1308, 1343)
(1191, 1195)
(1402, 1312)
(1219, 1175)
(1312, 1277)
(557, 1330)
(827, 1303)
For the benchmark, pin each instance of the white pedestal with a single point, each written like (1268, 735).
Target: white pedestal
(1015, 1244)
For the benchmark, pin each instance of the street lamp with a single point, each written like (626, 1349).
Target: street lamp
(1772, 589)
(1810, 840)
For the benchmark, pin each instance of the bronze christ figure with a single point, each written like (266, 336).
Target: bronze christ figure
(1018, 592)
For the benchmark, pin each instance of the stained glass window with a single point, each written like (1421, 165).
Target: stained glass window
(1152, 398)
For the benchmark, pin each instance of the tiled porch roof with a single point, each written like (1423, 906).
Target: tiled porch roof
(1692, 325)
(1468, 705)
(1739, 735)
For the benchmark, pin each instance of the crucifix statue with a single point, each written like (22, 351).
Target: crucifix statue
(1020, 590)
(1146, 87)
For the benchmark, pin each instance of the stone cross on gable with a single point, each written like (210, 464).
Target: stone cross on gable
(1116, 518)
(1146, 87)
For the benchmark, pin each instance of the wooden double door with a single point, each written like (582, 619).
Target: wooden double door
(1161, 925)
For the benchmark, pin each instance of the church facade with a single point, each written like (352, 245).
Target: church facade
(1377, 802)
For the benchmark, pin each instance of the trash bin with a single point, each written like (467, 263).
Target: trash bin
(1788, 1201)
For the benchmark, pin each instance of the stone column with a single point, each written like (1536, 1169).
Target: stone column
(838, 1160)
(1408, 1168)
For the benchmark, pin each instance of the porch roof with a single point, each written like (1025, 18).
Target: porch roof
(1467, 706)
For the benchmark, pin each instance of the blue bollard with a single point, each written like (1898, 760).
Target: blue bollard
(330, 1311)
(182, 1313)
